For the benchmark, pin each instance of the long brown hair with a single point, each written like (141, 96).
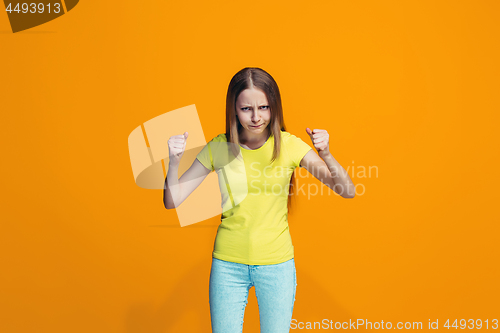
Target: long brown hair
(253, 77)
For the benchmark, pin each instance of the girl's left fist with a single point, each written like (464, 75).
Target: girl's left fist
(320, 139)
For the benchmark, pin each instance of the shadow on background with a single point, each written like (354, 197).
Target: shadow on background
(187, 308)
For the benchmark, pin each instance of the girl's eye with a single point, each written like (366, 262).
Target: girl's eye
(246, 107)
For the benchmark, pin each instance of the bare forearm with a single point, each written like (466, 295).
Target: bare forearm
(172, 188)
(343, 182)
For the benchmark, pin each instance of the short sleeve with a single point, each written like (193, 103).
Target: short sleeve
(296, 149)
(205, 157)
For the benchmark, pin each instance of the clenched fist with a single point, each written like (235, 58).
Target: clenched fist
(320, 139)
(176, 147)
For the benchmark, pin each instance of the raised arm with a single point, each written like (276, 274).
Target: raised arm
(176, 190)
(337, 179)
(324, 167)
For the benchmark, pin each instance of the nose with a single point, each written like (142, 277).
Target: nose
(255, 116)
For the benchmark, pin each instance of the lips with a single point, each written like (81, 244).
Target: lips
(256, 126)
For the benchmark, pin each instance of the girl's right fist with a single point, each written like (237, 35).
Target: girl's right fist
(176, 147)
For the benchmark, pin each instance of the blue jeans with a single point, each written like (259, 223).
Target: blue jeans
(275, 287)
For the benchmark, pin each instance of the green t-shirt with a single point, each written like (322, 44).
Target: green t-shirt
(254, 193)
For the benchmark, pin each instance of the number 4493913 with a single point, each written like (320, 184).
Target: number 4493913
(34, 8)
(472, 324)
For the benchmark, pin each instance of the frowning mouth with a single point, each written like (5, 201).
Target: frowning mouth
(256, 126)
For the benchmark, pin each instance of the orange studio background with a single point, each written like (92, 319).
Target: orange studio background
(409, 89)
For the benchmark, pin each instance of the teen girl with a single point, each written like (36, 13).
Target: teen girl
(253, 246)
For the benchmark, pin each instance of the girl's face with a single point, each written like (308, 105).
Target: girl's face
(253, 113)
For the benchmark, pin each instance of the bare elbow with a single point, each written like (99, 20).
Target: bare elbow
(171, 205)
(168, 205)
(346, 194)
